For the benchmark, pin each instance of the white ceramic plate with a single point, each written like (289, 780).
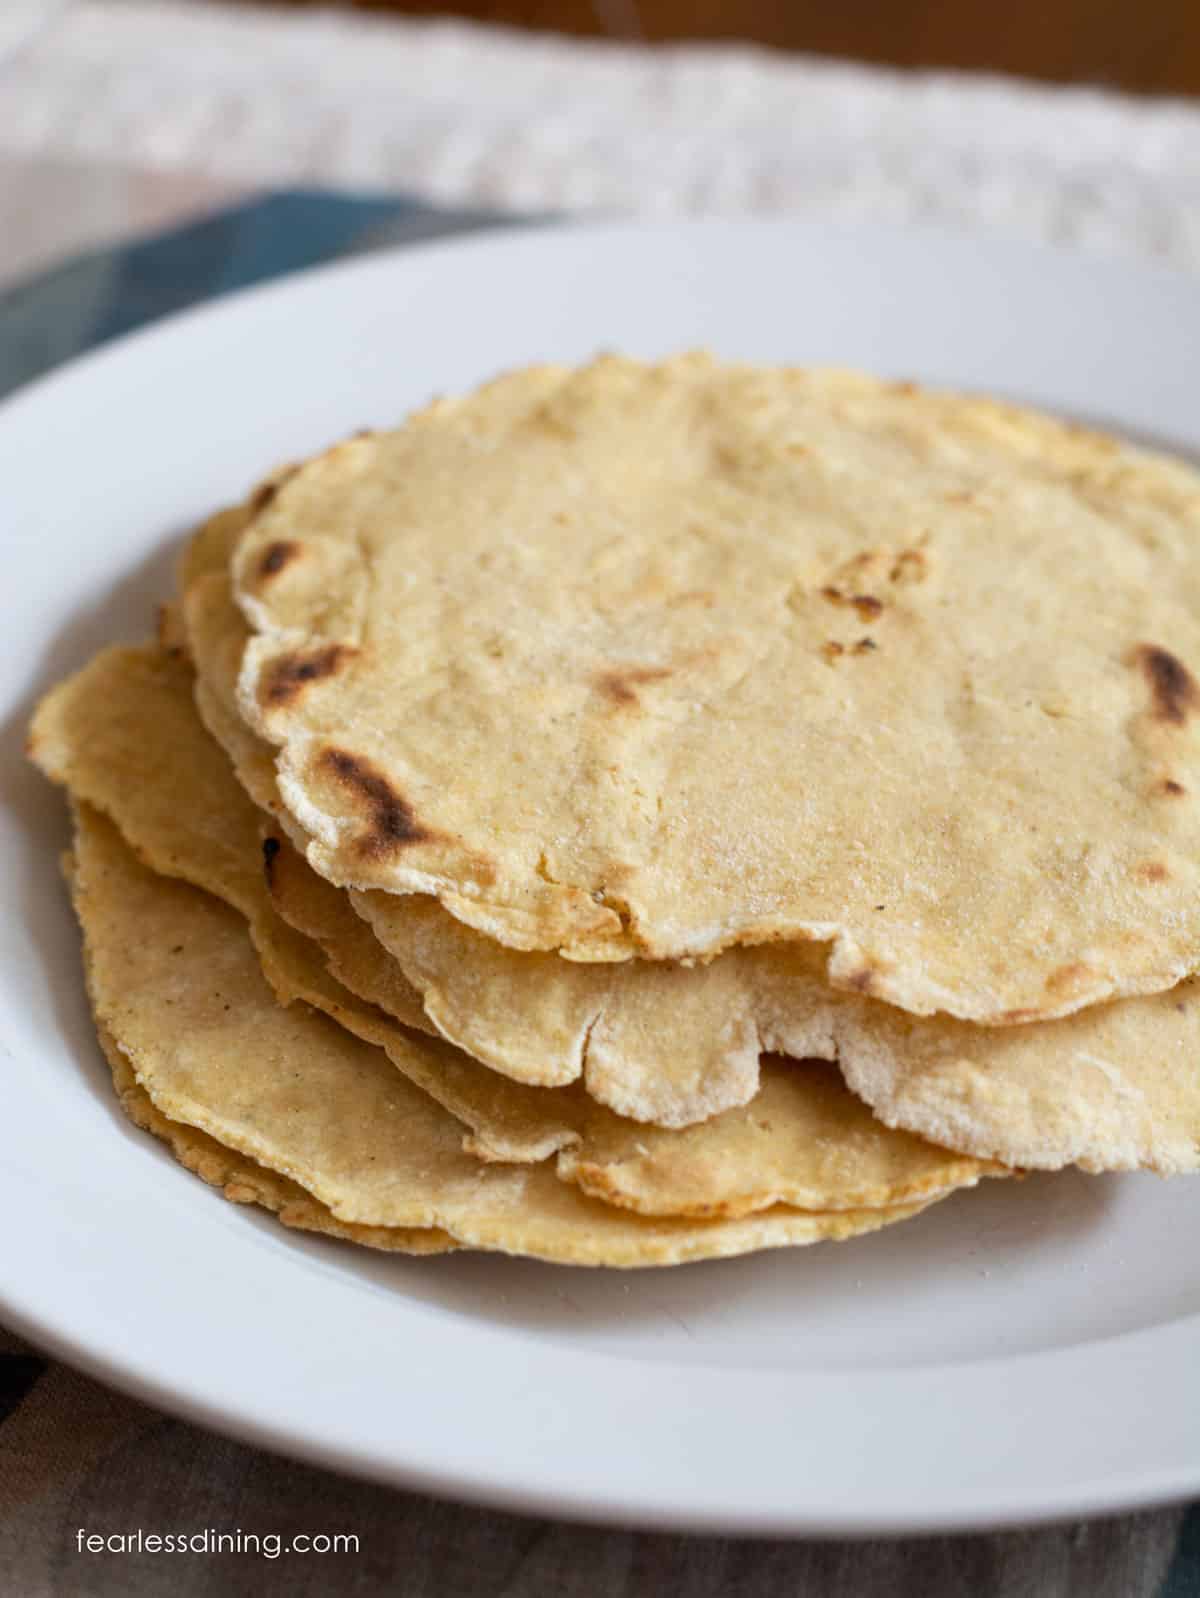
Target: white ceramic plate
(1021, 1352)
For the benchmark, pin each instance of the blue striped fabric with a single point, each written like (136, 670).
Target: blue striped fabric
(98, 296)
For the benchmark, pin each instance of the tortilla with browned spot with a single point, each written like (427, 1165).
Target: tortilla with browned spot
(1141, 1111)
(124, 737)
(950, 811)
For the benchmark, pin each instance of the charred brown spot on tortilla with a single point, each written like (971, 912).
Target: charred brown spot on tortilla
(867, 606)
(1153, 871)
(832, 650)
(621, 684)
(265, 493)
(1172, 789)
(262, 497)
(287, 677)
(1067, 978)
(270, 850)
(392, 821)
(910, 566)
(276, 556)
(1172, 687)
(864, 646)
(862, 981)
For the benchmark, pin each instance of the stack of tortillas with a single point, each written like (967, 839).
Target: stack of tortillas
(653, 812)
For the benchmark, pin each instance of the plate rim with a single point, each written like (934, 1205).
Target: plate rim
(1162, 1489)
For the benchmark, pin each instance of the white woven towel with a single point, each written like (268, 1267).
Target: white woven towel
(245, 98)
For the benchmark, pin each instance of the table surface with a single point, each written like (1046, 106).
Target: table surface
(112, 127)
